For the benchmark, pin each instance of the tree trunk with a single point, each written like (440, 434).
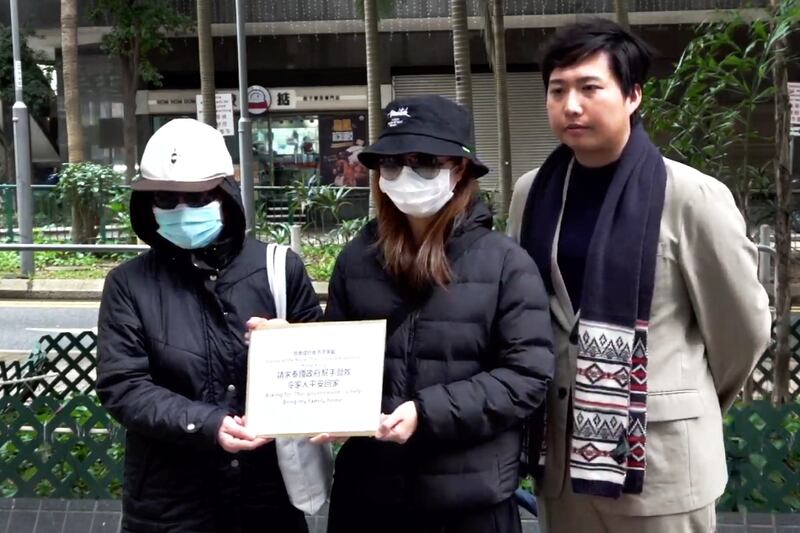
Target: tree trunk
(83, 225)
(206, 50)
(9, 169)
(621, 9)
(374, 111)
(72, 106)
(129, 80)
(783, 236)
(461, 55)
(501, 87)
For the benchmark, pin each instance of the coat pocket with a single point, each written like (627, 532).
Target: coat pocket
(666, 406)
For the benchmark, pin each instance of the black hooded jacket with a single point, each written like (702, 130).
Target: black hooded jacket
(475, 356)
(172, 365)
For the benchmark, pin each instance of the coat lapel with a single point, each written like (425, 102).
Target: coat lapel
(560, 303)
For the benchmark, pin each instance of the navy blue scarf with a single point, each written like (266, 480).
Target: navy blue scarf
(607, 455)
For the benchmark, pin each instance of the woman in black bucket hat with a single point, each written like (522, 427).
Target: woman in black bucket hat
(468, 346)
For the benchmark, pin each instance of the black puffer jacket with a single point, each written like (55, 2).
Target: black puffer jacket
(475, 356)
(172, 364)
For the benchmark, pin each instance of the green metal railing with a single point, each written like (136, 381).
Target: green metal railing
(53, 219)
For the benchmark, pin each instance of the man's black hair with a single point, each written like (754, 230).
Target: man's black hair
(629, 56)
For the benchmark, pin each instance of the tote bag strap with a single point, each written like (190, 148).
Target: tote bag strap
(276, 274)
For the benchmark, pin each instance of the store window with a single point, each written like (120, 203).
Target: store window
(302, 147)
(321, 146)
(294, 154)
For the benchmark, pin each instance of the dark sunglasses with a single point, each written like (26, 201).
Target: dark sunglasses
(170, 200)
(424, 165)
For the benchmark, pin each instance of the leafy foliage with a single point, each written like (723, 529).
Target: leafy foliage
(331, 199)
(37, 94)
(322, 202)
(320, 259)
(85, 184)
(140, 28)
(310, 200)
(63, 265)
(705, 111)
(120, 213)
(301, 195)
(348, 229)
(84, 187)
(279, 233)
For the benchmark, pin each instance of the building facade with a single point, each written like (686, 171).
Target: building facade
(310, 56)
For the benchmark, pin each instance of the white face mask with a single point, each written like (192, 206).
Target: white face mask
(417, 196)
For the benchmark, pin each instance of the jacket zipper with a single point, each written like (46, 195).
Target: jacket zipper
(411, 361)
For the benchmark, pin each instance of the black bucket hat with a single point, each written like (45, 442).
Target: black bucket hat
(429, 124)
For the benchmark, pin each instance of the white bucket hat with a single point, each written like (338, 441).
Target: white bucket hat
(184, 155)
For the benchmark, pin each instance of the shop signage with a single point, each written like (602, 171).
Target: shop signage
(224, 104)
(259, 100)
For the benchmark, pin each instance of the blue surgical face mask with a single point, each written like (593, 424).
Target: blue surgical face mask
(190, 227)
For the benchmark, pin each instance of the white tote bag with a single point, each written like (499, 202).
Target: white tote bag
(307, 468)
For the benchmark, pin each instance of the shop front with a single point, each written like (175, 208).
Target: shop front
(299, 134)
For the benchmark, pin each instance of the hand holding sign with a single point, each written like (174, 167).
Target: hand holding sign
(321, 379)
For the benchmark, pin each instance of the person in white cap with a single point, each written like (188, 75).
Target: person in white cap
(172, 348)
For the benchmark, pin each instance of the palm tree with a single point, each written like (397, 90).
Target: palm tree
(205, 46)
(372, 44)
(138, 29)
(461, 56)
(82, 226)
(621, 8)
(495, 38)
(782, 16)
(69, 53)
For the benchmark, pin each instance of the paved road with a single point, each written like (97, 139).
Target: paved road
(22, 322)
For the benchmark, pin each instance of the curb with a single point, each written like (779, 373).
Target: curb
(51, 289)
(78, 289)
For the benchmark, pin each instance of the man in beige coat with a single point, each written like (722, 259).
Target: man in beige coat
(657, 310)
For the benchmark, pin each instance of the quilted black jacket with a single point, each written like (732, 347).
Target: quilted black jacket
(476, 357)
(172, 364)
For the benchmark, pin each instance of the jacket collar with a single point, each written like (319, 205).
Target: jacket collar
(476, 222)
